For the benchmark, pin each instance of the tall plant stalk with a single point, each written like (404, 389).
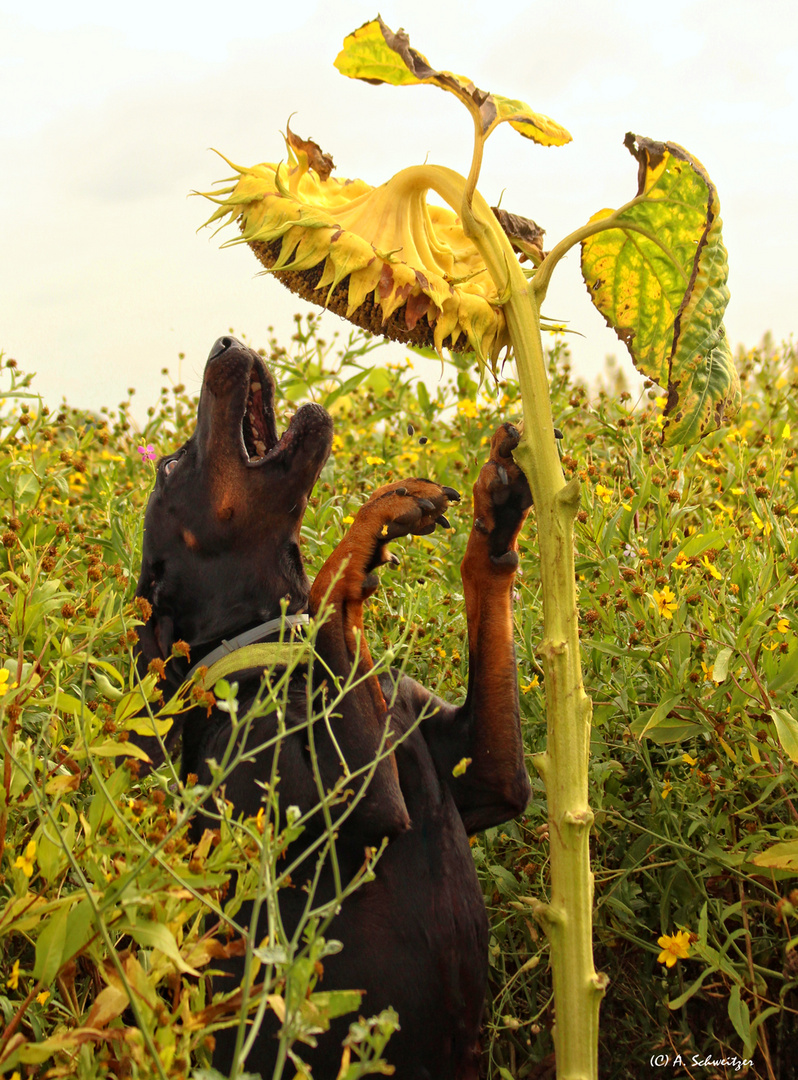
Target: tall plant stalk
(567, 917)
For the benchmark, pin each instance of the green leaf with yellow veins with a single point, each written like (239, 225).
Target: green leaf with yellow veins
(376, 54)
(658, 276)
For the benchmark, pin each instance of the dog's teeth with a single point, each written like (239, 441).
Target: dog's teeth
(260, 447)
(255, 386)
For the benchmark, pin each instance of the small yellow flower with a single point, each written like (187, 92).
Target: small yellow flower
(765, 526)
(708, 566)
(666, 602)
(25, 862)
(674, 948)
(348, 519)
(337, 443)
(467, 408)
(667, 789)
(259, 820)
(603, 493)
(681, 562)
(372, 460)
(782, 626)
(5, 684)
(13, 980)
(533, 683)
(689, 760)
(41, 998)
(707, 669)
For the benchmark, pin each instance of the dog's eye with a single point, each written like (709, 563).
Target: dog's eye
(169, 465)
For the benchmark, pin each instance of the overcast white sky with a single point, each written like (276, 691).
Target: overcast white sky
(109, 110)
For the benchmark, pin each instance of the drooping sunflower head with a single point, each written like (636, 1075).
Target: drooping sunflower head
(383, 258)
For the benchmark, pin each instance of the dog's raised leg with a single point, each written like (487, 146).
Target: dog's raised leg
(345, 581)
(496, 780)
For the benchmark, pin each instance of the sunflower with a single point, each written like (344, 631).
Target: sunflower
(383, 258)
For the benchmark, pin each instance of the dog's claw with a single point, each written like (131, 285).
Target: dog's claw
(426, 504)
(480, 526)
(442, 521)
(451, 494)
(393, 559)
(401, 491)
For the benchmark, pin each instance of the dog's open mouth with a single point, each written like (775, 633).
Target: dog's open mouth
(309, 424)
(258, 430)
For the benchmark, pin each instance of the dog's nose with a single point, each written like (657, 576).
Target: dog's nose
(221, 345)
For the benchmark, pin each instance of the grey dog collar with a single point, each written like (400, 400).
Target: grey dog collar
(249, 637)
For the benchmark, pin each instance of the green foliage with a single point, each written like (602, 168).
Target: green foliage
(110, 914)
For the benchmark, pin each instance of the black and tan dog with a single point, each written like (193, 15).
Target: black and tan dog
(221, 551)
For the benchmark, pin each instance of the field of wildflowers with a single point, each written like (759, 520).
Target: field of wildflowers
(687, 563)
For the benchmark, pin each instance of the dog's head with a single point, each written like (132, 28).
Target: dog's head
(221, 531)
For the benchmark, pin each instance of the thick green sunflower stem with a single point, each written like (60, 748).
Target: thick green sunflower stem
(567, 918)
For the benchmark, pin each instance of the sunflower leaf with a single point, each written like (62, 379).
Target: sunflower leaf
(375, 54)
(658, 276)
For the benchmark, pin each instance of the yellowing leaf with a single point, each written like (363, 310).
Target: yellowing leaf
(720, 668)
(781, 856)
(787, 731)
(109, 1003)
(659, 279)
(376, 54)
(153, 935)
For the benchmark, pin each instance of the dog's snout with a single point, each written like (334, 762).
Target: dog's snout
(221, 345)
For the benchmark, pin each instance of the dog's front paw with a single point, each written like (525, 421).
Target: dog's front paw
(398, 509)
(501, 498)
(402, 508)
